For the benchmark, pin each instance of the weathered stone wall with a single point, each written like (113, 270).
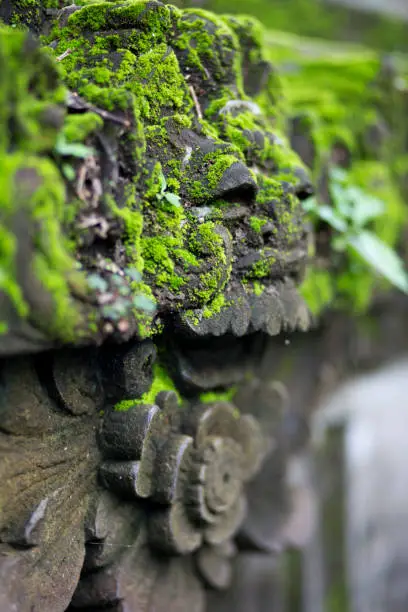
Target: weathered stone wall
(398, 8)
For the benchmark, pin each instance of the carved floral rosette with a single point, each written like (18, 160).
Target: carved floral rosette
(191, 465)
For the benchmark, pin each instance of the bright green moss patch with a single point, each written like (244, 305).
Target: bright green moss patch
(78, 127)
(214, 307)
(8, 282)
(161, 382)
(258, 288)
(211, 397)
(159, 83)
(220, 165)
(42, 207)
(257, 224)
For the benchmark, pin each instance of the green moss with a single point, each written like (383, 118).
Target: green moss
(218, 168)
(26, 14)
(271, 191)
(210, 397)
(214, 307)
(78, 127)
(8, 282)
(262, 268)
(52, 263)
(199, 43)
(161, 382)
(257, 224)
(160, 84)
(132, 216)
(187, 257)
(31, 97)
(258, 288)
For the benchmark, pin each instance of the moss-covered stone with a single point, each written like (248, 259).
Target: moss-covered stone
(27, 14)
(161, 382)
(180, 74)
(172, 153)
(32, 192)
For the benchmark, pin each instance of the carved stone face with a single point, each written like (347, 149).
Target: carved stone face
(206, 190)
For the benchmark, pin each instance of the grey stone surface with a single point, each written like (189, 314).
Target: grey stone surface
(398, 8)
(374, 410)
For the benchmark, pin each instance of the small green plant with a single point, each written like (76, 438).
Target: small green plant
(171, 198)
(72, 149)
(352, 211)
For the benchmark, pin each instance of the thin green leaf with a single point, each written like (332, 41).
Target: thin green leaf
(173, 199)
(72, 149)
(163, 182)
(310, 205)
(366, 207)
(68, 172)
(381, 258)
(341, 200)
(338, 175)
(328, 214)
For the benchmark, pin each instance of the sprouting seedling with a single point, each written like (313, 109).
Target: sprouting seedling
(171, 198)
(353, 209)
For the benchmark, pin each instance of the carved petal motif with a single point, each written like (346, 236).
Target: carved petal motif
(124, 574)
(48, 469)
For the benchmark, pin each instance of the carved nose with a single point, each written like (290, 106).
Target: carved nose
(236, 183)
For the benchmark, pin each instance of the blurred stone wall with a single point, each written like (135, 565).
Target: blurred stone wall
(370, 550)
(399, 8)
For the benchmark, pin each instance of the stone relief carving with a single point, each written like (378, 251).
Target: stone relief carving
(124, 503)
(186, 213)
(191, 463)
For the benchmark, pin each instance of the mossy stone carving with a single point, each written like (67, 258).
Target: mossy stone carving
(115, 495)
(183, 206)
(190, 463)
